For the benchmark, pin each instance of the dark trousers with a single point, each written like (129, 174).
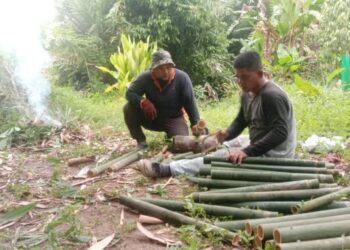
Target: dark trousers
(134, 119)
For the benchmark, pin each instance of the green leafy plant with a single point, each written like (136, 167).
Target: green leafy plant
(305, 86)
(131, 59)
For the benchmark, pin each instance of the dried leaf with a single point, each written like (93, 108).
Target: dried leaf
(103, 243)
(151, 236)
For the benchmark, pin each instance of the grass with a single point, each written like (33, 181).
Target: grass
(326, 115)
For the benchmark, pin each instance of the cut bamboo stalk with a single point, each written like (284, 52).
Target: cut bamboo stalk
(328, 185)
(265, 230)
(339, 243)
(283, 206)
(312, 232)
(267, 176)
(290, 185)
(288, 169)
(174, 218)
(80, 160)
(236, 213)
(221, 198)
(210, 183)
(250, 224)
(120, 161)
(258, 242)
(320, 201)
(270, 161)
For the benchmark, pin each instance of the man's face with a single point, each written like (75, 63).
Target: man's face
(162, 72)
(248, 80)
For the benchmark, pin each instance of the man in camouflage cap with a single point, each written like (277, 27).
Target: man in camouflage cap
(158, 98)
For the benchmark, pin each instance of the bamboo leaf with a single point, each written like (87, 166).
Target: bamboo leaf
(16, 213)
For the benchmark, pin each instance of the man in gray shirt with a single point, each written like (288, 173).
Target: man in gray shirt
(265, 110)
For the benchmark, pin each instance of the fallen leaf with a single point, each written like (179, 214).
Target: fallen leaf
(103, 243)
(151, 236)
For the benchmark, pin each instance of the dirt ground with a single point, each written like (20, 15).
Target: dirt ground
(26, 176)
(40, 174)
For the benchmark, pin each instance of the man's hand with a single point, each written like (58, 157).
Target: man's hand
(148, 109)
(237, 156)
(221, 135)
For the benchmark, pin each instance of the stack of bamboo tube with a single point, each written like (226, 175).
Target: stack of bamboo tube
(287, 203)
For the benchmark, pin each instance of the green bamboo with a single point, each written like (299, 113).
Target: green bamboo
(312, 231)
(117, 163)
(237, 213)
(221, 198)
(320, 201)
(270, 161)
(288, 169)
(210, 183)
(328, 185)
(339, 243)
(265, 230)
(173, 218)
(291, 185)
(283, 206)
(267, 176)
(250, 224)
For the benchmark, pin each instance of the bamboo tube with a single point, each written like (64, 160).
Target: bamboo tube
(265, 230)
(339, 243)
(267, 176)
(312, 232)
(174, 218)
(289, 169)
(236, 213)
(258, 243)
(270, 161)
(222, 198)
(328, 185)
(320, 201)
(283, 206)
(250, 224)
(290, 185)
(80, 160)
(210, 183)
(117, 163)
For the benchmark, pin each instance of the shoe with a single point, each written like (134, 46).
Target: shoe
(147, 168)
(142, 145)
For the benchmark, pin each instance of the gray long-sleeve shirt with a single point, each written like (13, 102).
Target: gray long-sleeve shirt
(168, 102)
(269, 117)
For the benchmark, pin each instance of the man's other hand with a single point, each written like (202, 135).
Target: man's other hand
(237, 156)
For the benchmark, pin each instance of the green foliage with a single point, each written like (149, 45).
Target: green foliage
(16, 213)
(332, 36)
(190, 30)
(131, 60)
(84, 34)
(72, 227)
(305, 86)
(19, 190)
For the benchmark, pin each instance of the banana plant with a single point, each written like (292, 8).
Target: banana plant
(131, 59)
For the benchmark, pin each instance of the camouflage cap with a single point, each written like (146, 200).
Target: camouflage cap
(161, 57)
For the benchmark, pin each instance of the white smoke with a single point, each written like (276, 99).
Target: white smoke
(20, 30)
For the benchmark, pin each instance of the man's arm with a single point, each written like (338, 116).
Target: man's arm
(135, 91)
(189, 101)
(237, 126)
(277, 110)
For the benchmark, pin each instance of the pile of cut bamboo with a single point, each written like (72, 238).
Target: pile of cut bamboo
(287, 203)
